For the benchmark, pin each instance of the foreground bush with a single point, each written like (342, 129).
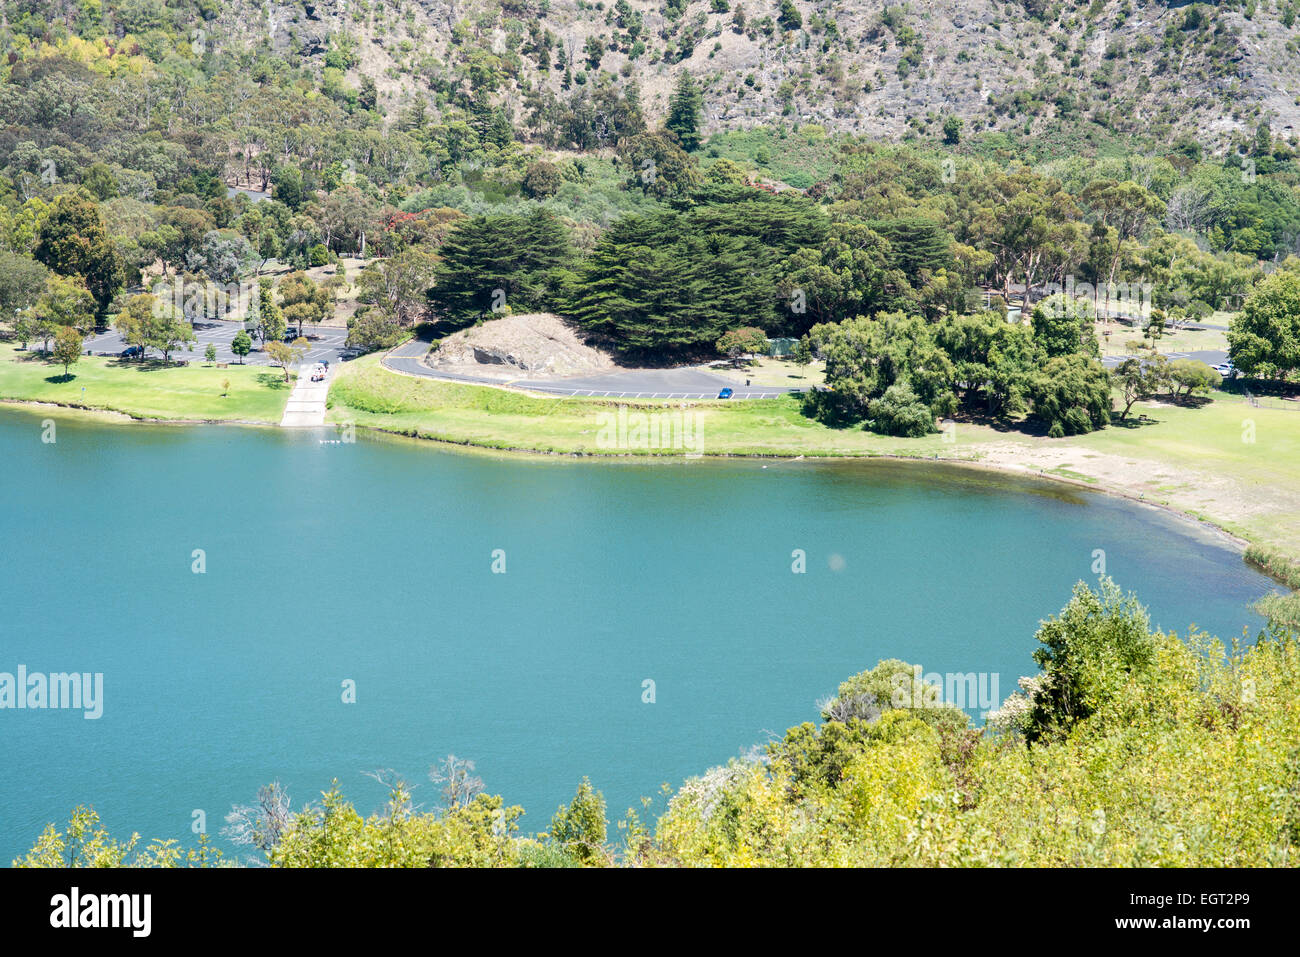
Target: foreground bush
(1147, 750)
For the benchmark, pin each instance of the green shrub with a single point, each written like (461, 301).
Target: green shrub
(901, 412)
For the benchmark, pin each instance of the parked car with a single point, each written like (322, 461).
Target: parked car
(1226, 369)
(725, 394)
(130, 352)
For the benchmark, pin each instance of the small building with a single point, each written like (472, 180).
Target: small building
(780, 348)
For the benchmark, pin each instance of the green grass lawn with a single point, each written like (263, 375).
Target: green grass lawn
(1182, 340)
(799, 159)
(366, 394)
(1255, 450)
(773, 371)
(146, 390)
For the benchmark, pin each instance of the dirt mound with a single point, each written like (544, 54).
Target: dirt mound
(536, 345)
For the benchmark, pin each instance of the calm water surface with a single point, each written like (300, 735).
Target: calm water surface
(373, 562)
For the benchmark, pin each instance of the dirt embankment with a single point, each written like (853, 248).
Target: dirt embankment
(537, 345)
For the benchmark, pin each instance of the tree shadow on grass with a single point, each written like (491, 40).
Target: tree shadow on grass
(272, 380)
(995, 422)
(141, 365)
(1134, 421)
(829, 410)
(47, 359)
(1029, 425)
(1242, 386)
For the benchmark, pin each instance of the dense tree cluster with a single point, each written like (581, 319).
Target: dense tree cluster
(671, 284)
(490, 264)
(1265, 338)
(131, 153)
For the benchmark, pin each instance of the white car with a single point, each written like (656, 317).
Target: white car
(1226, 369)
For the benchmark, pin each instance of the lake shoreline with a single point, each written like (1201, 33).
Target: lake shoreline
(114, 417)
(1023, 469)
(1237, 542)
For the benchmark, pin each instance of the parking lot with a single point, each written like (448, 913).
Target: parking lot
(1211, 357)
(327, 343)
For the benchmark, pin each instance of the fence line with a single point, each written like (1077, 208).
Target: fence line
(1268, 402)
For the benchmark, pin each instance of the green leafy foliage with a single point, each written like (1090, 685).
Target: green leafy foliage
(579, 828)
(672, 284)
(1071, 396)
(490, 262)
(901, 412)
(1264, 339)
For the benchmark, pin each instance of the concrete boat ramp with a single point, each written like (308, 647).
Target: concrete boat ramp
(306, 405)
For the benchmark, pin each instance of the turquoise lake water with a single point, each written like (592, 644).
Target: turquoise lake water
(372, 562)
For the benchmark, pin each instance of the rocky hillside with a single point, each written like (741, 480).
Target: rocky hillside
(1125, 67)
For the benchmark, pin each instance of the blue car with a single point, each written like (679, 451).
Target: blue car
(725, 394)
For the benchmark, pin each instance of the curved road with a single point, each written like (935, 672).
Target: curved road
(686, 383)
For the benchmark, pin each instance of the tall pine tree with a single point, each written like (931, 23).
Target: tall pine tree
(493, 261)
(670, 284)
(684, 112)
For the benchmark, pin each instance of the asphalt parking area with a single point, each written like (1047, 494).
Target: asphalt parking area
(326, 344)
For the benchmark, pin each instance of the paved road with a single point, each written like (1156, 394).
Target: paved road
(326, 343)
(1209, 357)
(685, 383)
